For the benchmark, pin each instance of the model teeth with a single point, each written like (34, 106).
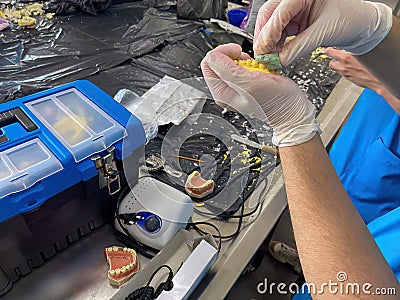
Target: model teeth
(126, 255)
(198, 188)
(206, 184)
(122, 270)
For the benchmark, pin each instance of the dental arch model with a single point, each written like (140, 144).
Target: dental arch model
(123, 264)
(198, 187)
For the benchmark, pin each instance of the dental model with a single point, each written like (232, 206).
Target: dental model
(198, 187)
(123, 264)
(254, 66)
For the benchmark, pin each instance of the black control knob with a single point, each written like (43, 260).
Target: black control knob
(152, 224)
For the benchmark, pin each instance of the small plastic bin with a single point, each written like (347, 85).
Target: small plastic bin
(236, 16)
(24, 165)
(78, 123)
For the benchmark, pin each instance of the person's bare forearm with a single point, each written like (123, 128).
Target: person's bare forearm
(384, 60)
(330, 235)
(389, 97)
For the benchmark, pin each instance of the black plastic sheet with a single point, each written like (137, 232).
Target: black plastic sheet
(218, 36)
(205, 9)
(74, 47)
(56, 52)
(155, 29)
(125, 76)
(165, 3)
(92, 7)
(179, 60)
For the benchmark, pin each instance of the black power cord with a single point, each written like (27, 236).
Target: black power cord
(219, 235)
(216, 217)
(127, 238)
(147, 292)
(248, 214)
(194, 225)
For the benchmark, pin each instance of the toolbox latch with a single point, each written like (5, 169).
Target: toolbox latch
(108, 172)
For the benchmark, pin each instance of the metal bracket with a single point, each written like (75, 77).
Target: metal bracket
(108, 172)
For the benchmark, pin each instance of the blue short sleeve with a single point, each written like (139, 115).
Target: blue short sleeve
(366, 156)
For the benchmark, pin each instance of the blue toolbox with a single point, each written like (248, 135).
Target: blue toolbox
(64, 153)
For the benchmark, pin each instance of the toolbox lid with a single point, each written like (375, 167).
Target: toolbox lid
(24, 165)
(82, 126)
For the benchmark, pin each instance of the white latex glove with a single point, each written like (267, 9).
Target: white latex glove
(275, 99)
(356, 26)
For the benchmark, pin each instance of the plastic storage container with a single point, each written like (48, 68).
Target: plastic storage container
(24, 165)
(57, 151)
(78, 123)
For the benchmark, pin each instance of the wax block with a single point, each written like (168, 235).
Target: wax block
(254, 66)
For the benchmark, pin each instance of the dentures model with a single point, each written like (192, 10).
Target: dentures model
(198, 187)
(255, 66)
(123, 264)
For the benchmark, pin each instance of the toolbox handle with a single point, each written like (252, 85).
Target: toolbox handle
(16, 115)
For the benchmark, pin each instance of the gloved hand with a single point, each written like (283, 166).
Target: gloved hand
(275, 99)
(356, 26)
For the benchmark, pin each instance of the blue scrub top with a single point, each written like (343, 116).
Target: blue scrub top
(366, 156)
